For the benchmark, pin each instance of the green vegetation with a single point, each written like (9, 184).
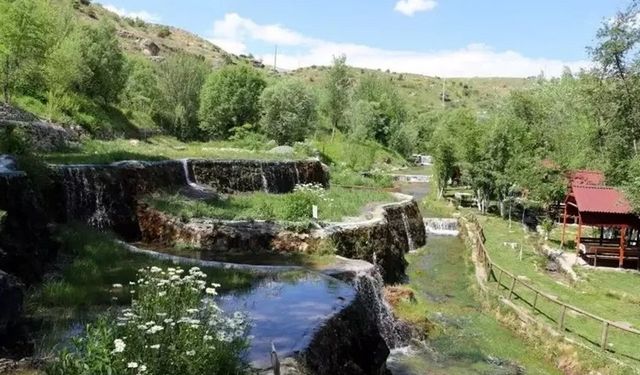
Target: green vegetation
(289, 112)
(333, 204)
(160, 148)
(230, 98)
(465, 334)
(610, 295)
(171, 327)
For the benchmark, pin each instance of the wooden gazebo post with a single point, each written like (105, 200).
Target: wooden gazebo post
(564, 224)
(579, 235)
(623, 234)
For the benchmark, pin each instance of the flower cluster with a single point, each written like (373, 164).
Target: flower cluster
(313, 189)
(173, 326)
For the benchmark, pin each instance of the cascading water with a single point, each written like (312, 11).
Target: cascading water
(295, 166)
(441, 227)
(407, 229)
(265, 183)
(85, 197)
(187, 175)
(370, 286)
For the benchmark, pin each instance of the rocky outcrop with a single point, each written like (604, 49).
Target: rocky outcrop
(231, 176)
(41, 135)
(384, 240)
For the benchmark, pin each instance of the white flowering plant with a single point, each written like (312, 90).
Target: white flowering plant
(172, 327)
(299, 203)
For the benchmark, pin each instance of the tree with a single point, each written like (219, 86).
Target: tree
(230, 97)
(288, 111)
(141, 89)
(25, 27)
(389, 108)
(105, 62)
(361, 118)
(180, 80)
(336, 98)
(443, 163)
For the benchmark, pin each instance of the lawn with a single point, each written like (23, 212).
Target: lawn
(609, 294)
(333, 205)
(158, 148)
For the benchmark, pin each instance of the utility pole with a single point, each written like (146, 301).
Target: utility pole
(275, 59)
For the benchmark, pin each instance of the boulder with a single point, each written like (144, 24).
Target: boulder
(282, 150)
(149, 48)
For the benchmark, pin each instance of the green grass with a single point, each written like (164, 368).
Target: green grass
(610, 295)
(337, 203)
(157, 148)
(347, 177)
(342, 152)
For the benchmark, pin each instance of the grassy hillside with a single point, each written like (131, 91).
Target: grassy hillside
(169, 39)
(425, 93)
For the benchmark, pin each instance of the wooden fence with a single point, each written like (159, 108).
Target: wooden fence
(512, 283)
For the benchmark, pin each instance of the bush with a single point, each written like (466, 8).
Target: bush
(230, 98)
(172, 327)
(299, 204)
(164, 32)
(247, 137)
(288, 112)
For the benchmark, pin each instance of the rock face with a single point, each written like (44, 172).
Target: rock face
(383, 241)
(24, 237)
(105, 196)
(231, 176)
(11, 295)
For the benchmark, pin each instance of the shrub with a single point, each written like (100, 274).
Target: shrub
(229, 98)
(298, 205)
(172, 327)
(288, 111)
(164, 32)
(247, 137)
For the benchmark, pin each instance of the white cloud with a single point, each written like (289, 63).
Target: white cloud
(474, 60)
(410, 7)
(141, 14)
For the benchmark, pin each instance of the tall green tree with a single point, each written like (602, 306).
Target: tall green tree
(25, 27)
(180, 79)
(230, 98)
(288, 111)
(105, 62)
(337, 93)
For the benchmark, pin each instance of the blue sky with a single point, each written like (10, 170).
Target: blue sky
(432, 37)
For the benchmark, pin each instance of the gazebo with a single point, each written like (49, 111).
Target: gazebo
(606, 208)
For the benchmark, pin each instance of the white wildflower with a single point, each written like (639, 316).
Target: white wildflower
(211, 291)
(191, 353)
(155, 329)
(132, 365)
(117, 286)
(156, 346)
(119, 346)
(155, 269)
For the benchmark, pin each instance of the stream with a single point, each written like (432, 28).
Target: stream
(467, 339)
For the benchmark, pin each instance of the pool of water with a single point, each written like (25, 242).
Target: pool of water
(468, 339)
(285, 309)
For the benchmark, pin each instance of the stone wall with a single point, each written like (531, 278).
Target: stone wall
(231, 176)
(384, 240)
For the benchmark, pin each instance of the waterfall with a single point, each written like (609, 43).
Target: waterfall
(187, 175)
(407, 229)
(370, 289)
(295, 166)
(441, 227)
(265, 183)
(85, 197)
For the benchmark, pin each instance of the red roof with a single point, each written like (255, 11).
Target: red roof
(585, 177)
(601, 199)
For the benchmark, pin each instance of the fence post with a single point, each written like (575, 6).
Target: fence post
(513, 285)
(605, 335)
(500, 278)
(535, 301)
(489, 271)
(561, 320)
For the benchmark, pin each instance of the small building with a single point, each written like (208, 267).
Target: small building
(615, 227)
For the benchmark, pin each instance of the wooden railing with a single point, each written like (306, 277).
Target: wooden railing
(511, 282)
